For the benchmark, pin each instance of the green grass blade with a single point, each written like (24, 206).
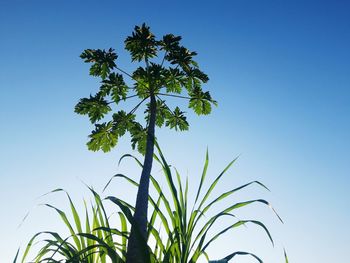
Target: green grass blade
(229, 257)
(213, 184)
(235, 225)
(15, 259)
(195, 216)
(208, 225)
(228, 193)
(76, 220)
(67, 223)
(121, 204)
(161, 216)
(110, 250)
(164, 199)
(154, 213)
(204, 173)
(29, 245)
(156, 235)
(88, 230)
(130, 156)
(182, 202)
(173, 190)
(124, 229)
(285, 256)
(121, 176)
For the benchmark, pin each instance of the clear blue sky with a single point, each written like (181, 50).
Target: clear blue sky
(280, 71)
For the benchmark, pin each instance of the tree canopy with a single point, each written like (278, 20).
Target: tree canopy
(173, 73)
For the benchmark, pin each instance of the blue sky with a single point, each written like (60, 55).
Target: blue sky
(279, 70)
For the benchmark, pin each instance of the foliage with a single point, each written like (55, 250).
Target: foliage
(93, 243)
(183, 236)
(177, 73)
(167, 69)
(187, 231)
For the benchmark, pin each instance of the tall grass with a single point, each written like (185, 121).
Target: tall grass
(184, 233)
(91, 239)
(187, 229)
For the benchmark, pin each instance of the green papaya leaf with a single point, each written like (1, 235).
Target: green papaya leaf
(103, 137)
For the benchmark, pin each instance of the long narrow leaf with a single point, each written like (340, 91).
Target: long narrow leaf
(242, 253)
(204, 173)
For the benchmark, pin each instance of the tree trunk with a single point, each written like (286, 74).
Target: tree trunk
(137, 251)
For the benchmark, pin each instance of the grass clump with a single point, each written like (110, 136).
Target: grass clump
(183, 235)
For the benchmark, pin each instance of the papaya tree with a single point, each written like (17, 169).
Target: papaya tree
(165, 69)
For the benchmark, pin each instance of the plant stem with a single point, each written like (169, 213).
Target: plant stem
(137, 251)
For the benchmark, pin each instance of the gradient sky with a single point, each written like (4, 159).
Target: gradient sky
(280, 71)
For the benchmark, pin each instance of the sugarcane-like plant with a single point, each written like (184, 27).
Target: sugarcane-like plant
(183, 233)
(177, 232)
(91, 239)
(166, 69)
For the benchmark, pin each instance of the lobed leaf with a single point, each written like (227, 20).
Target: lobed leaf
(102, 61)
(96, 107)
